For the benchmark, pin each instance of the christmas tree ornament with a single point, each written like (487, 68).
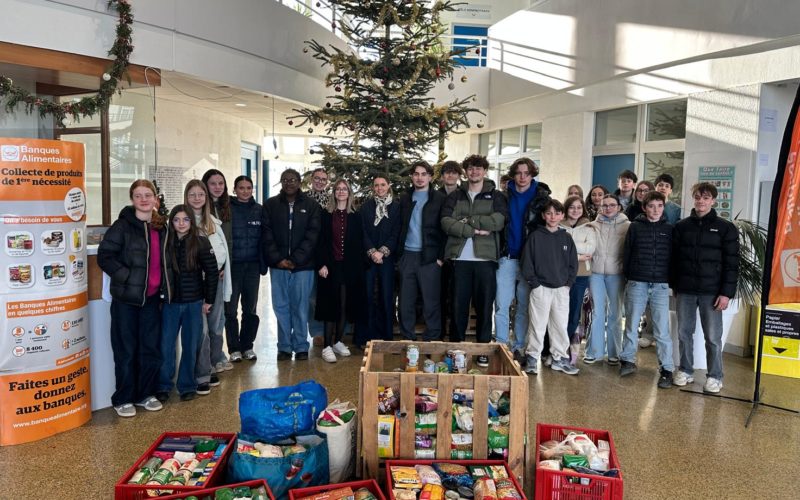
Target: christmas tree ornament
(451, 86)
(327, 105)
(464, 79)
(305, 50)
(337, 88)
(385, 110)
(480, 124)
(106, 77)
(396, 61)
(478, 51)
(291, 122)
(438, 71)
(310, 130)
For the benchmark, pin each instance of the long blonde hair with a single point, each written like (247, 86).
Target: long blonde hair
(332, 200)
(206, 224)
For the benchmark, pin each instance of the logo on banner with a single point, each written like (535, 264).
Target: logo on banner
(9, 153)
(790, 267)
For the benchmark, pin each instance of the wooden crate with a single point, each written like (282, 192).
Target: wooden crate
(381, 357)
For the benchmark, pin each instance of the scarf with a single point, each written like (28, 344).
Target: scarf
(320, 197)
(381, 211)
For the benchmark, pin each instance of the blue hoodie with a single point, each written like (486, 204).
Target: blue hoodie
(517, 204)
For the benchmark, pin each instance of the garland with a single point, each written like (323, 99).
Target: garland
(87, 106)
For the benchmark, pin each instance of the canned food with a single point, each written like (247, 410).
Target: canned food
(459, 361)
(428, 366)
(412, 358)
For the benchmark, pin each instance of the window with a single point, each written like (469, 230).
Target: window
(666, 120)
(514, 142)
(617, 126)
(509, 141)
(533, 138)
(671, 163)
(487, 143)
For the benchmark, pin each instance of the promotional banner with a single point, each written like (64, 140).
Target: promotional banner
(44, 348)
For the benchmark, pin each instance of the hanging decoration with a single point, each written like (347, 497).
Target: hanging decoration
(12, 95)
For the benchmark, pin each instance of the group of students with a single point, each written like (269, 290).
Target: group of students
(333, 260)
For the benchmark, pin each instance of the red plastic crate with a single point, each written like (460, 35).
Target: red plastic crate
(556, 485)
(210, 491)
(370, 484)
(125, 491)
(465, 463)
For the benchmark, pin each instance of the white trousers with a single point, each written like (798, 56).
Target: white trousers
(548, 310)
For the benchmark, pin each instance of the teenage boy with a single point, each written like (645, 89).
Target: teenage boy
(672, 210)
(549, 265)
(626, 182)
(526, 197)
(705, 256)
(473, 217)
(420, 254)
(451, 175)
(291, 224)
(646, 264)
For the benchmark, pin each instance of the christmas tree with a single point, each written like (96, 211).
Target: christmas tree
(381, 118)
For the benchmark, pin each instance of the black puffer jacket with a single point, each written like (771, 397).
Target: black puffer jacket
(124, 256)
(182, 285)
(648, 246)
(245, 230)
(433, 238)
(298, 244)
(705, 256)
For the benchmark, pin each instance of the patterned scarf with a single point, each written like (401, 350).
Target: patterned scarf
(320, 197)
(381, 211)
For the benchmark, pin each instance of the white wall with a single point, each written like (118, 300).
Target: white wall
(566, 152)
(483, 12)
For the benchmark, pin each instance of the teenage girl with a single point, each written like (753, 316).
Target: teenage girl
(130, 254)
(190, 287)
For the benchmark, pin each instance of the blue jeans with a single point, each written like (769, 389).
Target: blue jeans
(637, 295)
(606, 288)
(186, 318)
(687, 306)
(290, 295)
(315, 328)
(511, 285)
(576, 293)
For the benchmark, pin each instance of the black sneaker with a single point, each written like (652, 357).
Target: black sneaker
(204, 389)
(301, 355)
(627, 368)
(214, 381)
(162, 396)
(665, 380)
(188, 396)
(520, 358)
(283, 356)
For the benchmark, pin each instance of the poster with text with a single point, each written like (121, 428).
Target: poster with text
(44, 349)
(722, 178)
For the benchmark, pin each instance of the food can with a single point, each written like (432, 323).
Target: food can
(448, 358)
(441, 367)
(428, 366)
(412, 358)
(459, 361)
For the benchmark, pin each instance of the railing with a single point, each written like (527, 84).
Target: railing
(321, 12)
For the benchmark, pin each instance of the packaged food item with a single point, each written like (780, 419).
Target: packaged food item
(451, 495)
(453, 475)
(424, 442)
(463, 417)
(364, 494)
(550, 465)
(293, 450)
(581, 444)
(553, 450)
(423, 404)
(485, 489)
(441, 367)
(345, 493)
(425, 454)
(404, 494)
(506, 490)
(142, 475)
(498, 472)
(461, 441)
(388, 401)
(463, 396)
(268, 450)
(412, 358)
(573, 460)
(427, 475)
(498, 432)
(428, 366)
(432, 491)
(405, 478)
(387, 436)
(425, 423)
(461, 454)
(479, 472)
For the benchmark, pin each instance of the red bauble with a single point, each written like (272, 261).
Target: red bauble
(477, 51)
(442, 124)
(438, 71)
(337, 88)
(385, 69)
(384, 110)
(291, 122)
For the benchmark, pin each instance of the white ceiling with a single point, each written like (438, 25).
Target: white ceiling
(222, 98)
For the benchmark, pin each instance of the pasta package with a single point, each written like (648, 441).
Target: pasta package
(364, 494)
(485, 489)
(345, 493)
(506, 490)
(432, 492)
(387, 436)
(427, 475)
(405, 478)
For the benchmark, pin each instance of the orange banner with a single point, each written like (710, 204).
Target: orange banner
(50, 168)
(38, 405)
(46, 306)
(785, 284)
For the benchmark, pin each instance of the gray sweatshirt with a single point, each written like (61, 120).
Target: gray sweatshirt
(549, 259)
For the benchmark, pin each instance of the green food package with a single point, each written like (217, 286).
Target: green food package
(478, 472)
(574, 460)
(497, 432)
(205, 445)
(224, 494)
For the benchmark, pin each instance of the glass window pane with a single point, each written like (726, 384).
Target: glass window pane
(509, 141)
(533, 137)
(666, 120)
(132, 154)
(94, 196)
(486, 144)
(83, 121)
(617, 126)
(670, 163)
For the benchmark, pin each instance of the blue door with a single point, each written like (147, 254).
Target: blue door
(606, 168)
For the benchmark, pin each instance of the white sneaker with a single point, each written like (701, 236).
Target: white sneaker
(548, 360)
(644, 342)
(712, 385)
(250, 355)
(219, 367)
(126, 410)
(236, 356)
(680, 379)
(341, 349)
(328, 355)
(227, 365)
(150, 404)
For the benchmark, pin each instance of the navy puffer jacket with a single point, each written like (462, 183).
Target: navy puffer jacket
(648, 246)
(246, 230)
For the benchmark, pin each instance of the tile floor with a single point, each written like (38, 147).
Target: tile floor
(672, 444)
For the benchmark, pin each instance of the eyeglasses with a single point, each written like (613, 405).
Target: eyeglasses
(320, 179)
(185, 220)
(341, 190)
(606, 207)
(289, 180)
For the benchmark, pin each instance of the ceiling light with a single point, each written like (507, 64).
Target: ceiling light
(241, 105)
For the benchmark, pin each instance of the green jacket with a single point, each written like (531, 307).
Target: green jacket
(461, 217)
